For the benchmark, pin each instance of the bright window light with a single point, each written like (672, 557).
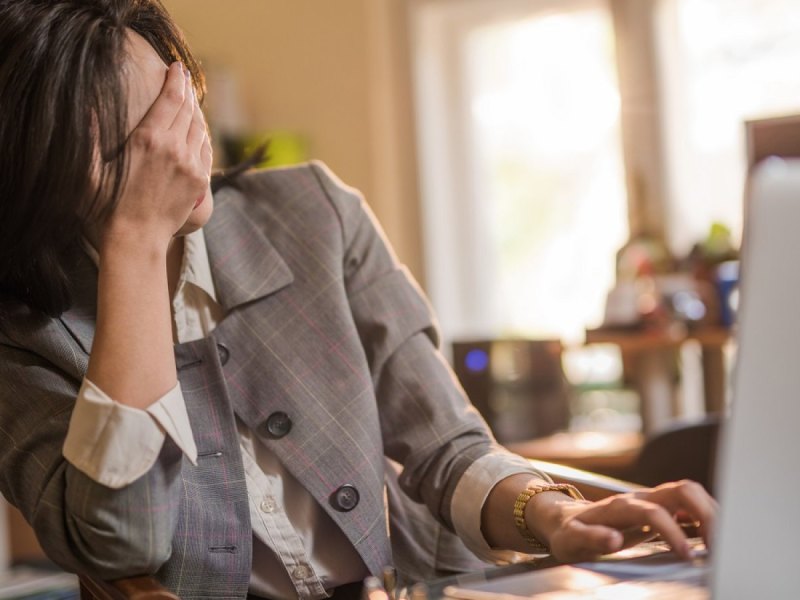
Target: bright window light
(724, 62)
(545, 130)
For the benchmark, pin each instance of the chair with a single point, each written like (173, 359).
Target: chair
(684, 451)
(131, 588)
(680, 452)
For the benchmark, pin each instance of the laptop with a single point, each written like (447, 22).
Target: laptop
(757, 554)
(757, 546)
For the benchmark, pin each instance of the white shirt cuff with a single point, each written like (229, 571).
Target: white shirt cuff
(115, 444)
(470, 495)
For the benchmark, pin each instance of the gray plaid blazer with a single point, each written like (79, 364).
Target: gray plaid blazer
(323, 325)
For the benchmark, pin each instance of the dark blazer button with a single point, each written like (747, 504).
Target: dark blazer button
(345, 498)
(224, 354)
(278, 424)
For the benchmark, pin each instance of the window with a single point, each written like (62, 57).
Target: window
(524, 189)
(722, 62)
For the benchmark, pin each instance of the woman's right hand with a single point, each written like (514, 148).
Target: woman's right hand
(169, 166)
(588, 530)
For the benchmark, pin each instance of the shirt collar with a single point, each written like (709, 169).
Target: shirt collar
(196, 268)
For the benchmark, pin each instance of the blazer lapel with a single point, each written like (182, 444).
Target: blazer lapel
(244, 264)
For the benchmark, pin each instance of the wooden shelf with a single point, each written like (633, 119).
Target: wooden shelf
(634, 340)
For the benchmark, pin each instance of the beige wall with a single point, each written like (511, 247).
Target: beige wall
(336, 72)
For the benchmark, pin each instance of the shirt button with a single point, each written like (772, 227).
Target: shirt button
(268, 504)
(278, 424)
(301, 572)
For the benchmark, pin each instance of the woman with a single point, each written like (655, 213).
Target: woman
(213, 398)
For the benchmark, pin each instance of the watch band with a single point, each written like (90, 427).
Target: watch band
(525, 497)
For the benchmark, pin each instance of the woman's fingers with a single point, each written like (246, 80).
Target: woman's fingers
(163, 111)
(621, 521)
(578, 541)
(197, 129)
(206, 154)
(183, 119)
(686, 499)
(198, 140)
(635, 518)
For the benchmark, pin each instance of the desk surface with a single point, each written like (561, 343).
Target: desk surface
(607, 453)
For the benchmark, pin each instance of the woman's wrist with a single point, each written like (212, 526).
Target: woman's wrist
(546, 512)
(131, 242)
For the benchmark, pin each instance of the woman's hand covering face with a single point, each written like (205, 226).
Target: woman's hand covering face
(169, 155)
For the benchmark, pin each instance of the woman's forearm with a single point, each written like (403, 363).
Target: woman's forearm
(132, 357)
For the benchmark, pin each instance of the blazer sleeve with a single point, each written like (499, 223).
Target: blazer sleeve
(82, 525)
(428, 425)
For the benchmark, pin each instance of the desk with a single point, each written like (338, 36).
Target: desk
(650, 352)
(611, 454)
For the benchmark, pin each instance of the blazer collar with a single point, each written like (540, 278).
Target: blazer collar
(244, 266)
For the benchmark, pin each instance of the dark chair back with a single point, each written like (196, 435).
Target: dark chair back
(680, 452)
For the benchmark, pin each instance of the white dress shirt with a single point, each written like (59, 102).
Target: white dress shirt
(298, 551)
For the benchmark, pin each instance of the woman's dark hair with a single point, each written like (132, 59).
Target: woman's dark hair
(63, 105)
